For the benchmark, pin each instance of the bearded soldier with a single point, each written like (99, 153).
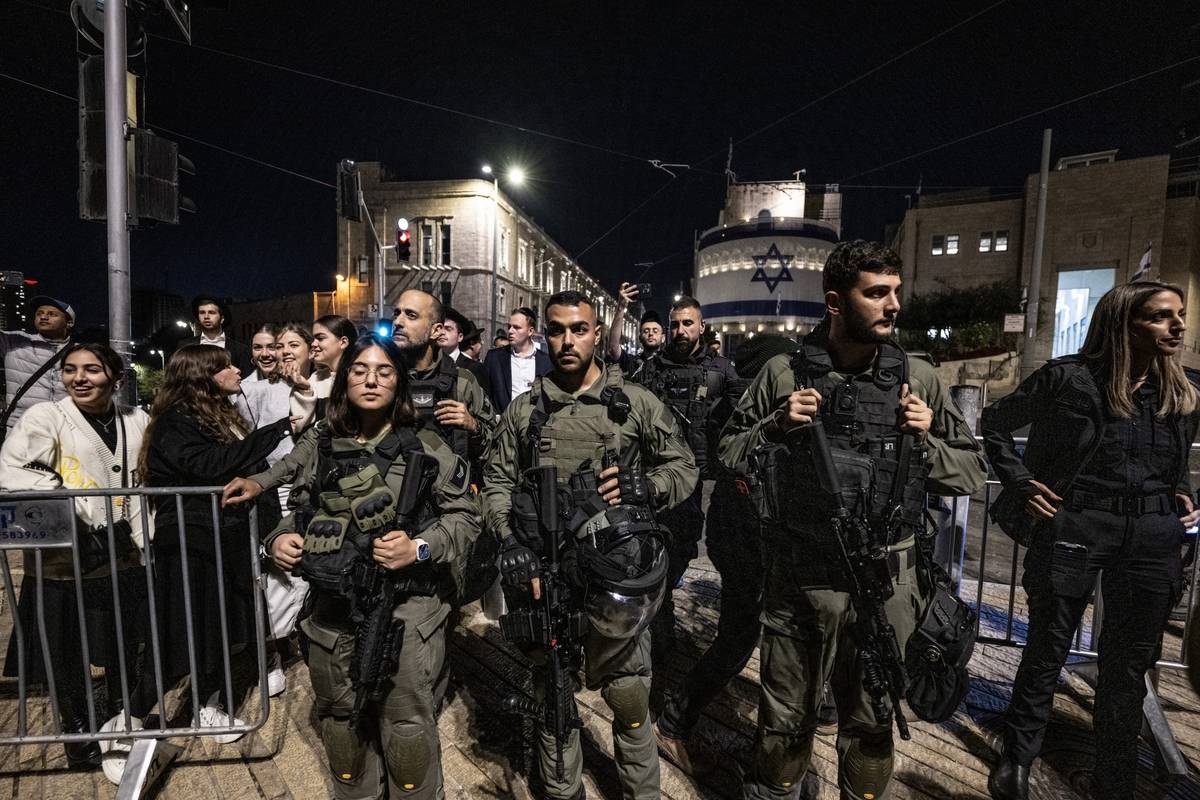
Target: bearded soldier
(700, 388)
(892, 433)
(620, 441)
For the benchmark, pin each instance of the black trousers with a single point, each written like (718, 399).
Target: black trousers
(735, 549)
(1142, 582)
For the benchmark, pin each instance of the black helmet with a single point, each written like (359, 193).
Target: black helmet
(624, 561)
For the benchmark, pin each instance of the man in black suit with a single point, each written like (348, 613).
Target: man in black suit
(512, 368)
(456, 330)
(211, 316)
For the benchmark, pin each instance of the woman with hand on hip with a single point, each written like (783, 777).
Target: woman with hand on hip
(1103, 485)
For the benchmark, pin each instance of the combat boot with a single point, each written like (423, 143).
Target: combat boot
(1009, 780)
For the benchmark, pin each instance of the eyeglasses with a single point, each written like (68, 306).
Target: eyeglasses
(384, 373)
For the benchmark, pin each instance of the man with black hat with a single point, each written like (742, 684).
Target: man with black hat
(456, 329)
(31, 371)
(211, 317)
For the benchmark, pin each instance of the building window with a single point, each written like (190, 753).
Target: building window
(504, 249)
(952, 244)
(1001, 242)
(985, 242)
(426, 245)
(445, 244)
(522, 260)
(939, 246)
(364, 270)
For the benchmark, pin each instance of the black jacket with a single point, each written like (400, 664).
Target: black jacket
(1063, 404)
(182, 454)
(239, 353)
(498, 365)
(475, 368)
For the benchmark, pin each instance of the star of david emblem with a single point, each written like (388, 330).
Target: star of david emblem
(760, 274)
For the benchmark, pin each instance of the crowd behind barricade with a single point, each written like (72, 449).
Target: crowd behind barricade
(559, 481)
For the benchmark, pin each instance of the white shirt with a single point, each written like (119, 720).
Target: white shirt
(454, 354)
(217, 342)
(524, 370)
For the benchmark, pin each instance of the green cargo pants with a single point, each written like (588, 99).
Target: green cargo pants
(394, 751)
(620, 668)
(807, 640)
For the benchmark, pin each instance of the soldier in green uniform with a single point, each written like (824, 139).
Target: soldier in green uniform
(576, 408)
(850, 377)
(360, 452)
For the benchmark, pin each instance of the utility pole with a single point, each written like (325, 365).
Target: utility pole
(116, 188)
(1028, 364)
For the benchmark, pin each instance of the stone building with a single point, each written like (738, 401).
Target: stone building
(453, 253)
(1103, 215)
(759, 269)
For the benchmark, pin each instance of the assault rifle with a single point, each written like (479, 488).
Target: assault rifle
(550, 623)
(376, 590)
(865, 558)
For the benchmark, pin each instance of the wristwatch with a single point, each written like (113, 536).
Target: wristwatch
(422, 550)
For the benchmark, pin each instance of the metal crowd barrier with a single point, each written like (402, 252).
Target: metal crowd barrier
(955, 533)
(952, 552)
(43, 522)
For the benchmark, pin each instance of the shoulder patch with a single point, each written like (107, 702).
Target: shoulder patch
(460, 476)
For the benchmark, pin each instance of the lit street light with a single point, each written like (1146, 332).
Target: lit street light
(516, 175)
(162, 357)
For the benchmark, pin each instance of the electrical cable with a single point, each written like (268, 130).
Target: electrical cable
(201, 142)
(857, 79)
(1030, 115)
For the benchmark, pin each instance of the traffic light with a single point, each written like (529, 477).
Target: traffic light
(349, 187)
(403, 240)
(159, 196)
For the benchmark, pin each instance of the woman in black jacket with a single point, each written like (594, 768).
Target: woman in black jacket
(197, 438)
(1103, 486)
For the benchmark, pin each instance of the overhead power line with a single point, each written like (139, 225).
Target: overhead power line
(201, 142)
(1024, 117)
(657, 163)
(856, 79)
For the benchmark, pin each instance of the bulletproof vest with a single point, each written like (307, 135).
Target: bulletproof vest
(350, 501)
(690, 390)
(882, 470)
(591, 431)
(442, 384)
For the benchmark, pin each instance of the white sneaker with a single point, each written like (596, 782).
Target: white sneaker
(114, 752)
(276, 679)
(213, 715)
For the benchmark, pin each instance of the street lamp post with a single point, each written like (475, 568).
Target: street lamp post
(517, 176)
(162, 357)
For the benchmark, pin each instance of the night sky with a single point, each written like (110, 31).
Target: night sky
(667, 81)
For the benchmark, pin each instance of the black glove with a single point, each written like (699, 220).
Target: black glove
(518, 564)
(635, 489)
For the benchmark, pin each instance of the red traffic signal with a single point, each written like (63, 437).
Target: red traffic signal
(403, 240)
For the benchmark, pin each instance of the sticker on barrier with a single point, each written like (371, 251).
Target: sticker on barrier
(34, 524)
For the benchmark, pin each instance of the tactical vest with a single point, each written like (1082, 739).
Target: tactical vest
(426, 392)
(346, 502)
(690, 390)
(882, 470)
(591, 431)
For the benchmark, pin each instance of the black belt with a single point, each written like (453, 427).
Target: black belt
(1133, 506)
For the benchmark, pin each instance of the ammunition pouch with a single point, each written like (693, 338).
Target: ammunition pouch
(531, 625)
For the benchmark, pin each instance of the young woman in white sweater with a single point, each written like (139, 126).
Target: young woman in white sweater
(85, 441)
